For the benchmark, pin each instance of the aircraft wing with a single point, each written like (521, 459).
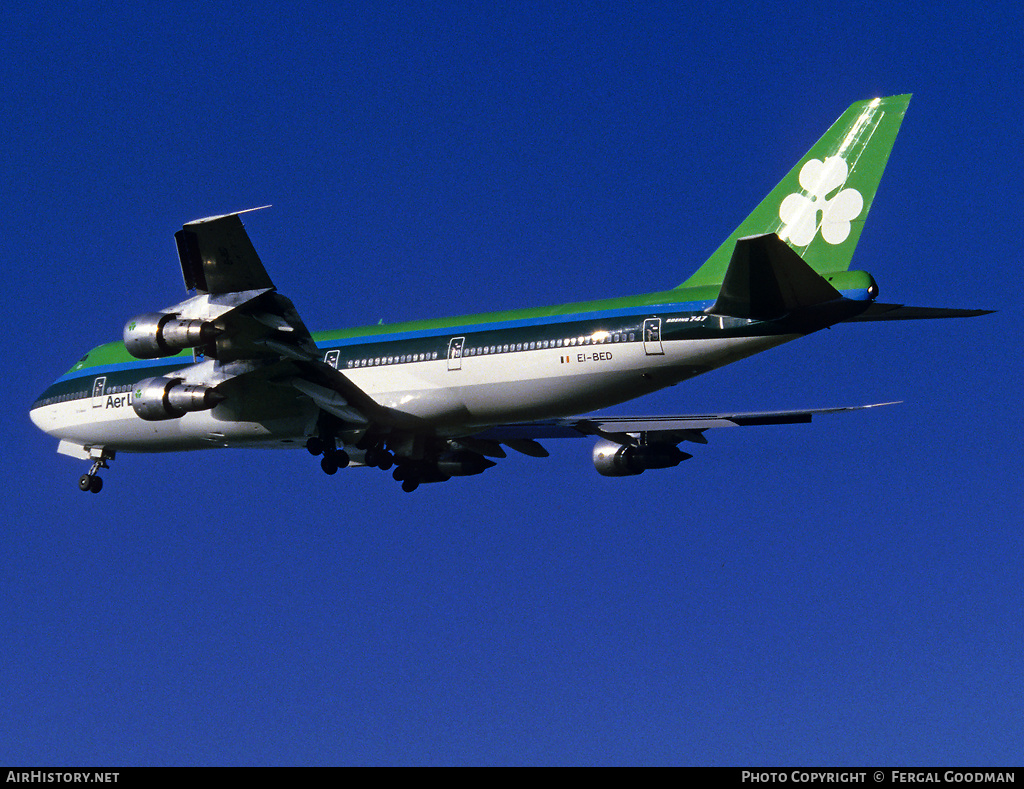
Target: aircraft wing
(219, 263)
(259, 336)
(654, 429)
(217, 256)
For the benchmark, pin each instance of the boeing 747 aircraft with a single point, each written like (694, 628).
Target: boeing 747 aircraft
(234, 365)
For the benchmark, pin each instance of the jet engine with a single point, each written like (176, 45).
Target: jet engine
(155, 399)
(620, 460)
(157, 334)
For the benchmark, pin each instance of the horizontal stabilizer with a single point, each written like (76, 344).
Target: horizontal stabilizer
(901, 312)
(766, 279)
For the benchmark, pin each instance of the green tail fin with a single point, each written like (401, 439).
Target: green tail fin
(820, 206)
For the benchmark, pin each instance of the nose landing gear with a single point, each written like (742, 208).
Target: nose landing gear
(92, 482)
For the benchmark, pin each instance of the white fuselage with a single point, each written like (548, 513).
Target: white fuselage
(444, 396)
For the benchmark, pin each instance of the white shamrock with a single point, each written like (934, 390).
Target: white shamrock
(800, 212)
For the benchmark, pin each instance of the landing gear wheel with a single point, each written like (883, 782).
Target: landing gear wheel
(90, 482)
(340, 458)
(315, 446)
(409, 485)
(328, 465)
(380, 458)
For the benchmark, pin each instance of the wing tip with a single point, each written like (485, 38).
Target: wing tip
(225, 216)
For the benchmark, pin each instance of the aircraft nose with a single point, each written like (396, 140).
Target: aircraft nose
(44, 417)
(41, 420)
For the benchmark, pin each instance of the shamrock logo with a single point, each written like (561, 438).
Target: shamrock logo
(800, 212)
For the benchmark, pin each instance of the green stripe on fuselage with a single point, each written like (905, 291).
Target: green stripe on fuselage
(114, 353)
(671, 298)
(682, 312)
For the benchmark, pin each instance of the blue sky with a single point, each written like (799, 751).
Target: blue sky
(847, 592)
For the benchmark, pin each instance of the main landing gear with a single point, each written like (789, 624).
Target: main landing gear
(412, 460)
(332, 459)
(376, 454)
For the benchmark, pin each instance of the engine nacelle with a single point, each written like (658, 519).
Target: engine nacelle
(619, 460)
(158, 334)
(155, 399)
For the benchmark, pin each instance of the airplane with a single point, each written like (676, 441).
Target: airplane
(233, 365)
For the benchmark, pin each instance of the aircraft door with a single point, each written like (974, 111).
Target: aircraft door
(331, 358)
(652, 337)
(455, 353)
(98, 386)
